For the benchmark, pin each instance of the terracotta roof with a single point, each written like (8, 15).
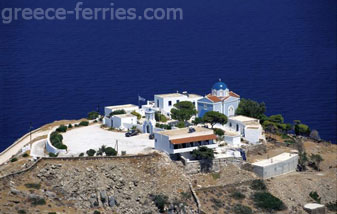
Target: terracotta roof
(231, 93)
(193, 139)
(213, 98)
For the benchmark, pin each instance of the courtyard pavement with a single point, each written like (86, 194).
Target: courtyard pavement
(93, 137)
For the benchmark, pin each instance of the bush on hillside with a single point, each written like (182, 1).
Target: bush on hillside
(14, 159)
(302, 129)
(237, 195)
(52, 155)
(25, 155)
(241, 209)
(267, 201)
(83, 123)
(203, 153)
(314, 195)
(70, 126)
(139, 116)
(159, 117)
(160, 201)
(33, 185)
(258, 185)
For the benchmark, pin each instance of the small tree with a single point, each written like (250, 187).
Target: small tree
(84, 123)
(183, 111)
(314, 195)
(159, 117)
(93, 115)
(91, 152)
(302, 129)
(109, 151)
(267, 201)
(219, 132)
(197, 121)
(251, 108)
(214, 117)
(242, 209)
(203, 153)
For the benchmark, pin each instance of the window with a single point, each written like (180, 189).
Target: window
(170, 103)
(177, 101)
(230, 124)
(237, 127)
(194, 103)
(158, 103)
(205, 106)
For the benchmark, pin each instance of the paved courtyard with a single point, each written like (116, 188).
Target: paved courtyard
(93, 137)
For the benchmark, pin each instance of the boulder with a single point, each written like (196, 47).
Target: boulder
(315, 135)
(313, 208)
(112, 201)
(103, 196)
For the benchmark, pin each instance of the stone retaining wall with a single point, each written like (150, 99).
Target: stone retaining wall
(196, 166)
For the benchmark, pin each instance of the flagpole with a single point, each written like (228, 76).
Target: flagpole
(138, 101)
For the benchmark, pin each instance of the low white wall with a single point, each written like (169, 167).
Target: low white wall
(277, 169)
(50, 147)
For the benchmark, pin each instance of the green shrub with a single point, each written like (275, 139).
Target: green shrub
(22, 212)
(38, 201)
(314, 195)
(237, 195)
(52, 155)
(25, 155)
(160, 201)
(159, 117)
(302, 129)
(180, 124)
(258, 185)
(83, 123)
(93, 115)
(278, 118)
(14, 159)
(137, 115)
(97, 212)
(186, 195)
(203, 153)
(56, 140)
(52, 213)
(241, 209)
(267, 201)
(163, 126)
(109, 151)
(122, 111)
(332, 206)
(91, 152)
(81, 154)
(62, 128)
(219, 132)
(33, 185)
(70, 126)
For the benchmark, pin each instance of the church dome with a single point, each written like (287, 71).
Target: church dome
(219, 85)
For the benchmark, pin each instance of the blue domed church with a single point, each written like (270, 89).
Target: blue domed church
(221, 99)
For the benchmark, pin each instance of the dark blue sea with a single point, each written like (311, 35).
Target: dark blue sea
(280, 52)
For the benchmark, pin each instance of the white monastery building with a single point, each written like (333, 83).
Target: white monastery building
(249, 128)
(184, 139)
(165, 102)
(128, 108)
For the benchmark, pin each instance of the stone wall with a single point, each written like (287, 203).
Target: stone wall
(196, 166)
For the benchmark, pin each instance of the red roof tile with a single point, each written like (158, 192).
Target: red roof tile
(194, 139)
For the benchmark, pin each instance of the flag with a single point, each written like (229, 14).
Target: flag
(141, 98)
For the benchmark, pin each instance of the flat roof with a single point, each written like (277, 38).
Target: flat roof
(122, 106)
(177, 95)
(124, 115)
(276, 159)
(245, 120)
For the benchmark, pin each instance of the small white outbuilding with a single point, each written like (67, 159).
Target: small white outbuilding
(277, 165)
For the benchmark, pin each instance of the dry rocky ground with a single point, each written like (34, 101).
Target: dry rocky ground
(122, 185)
(125, 185)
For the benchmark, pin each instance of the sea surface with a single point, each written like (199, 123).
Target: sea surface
(280, 52)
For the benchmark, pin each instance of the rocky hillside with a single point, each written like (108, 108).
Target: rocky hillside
(116, 185)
